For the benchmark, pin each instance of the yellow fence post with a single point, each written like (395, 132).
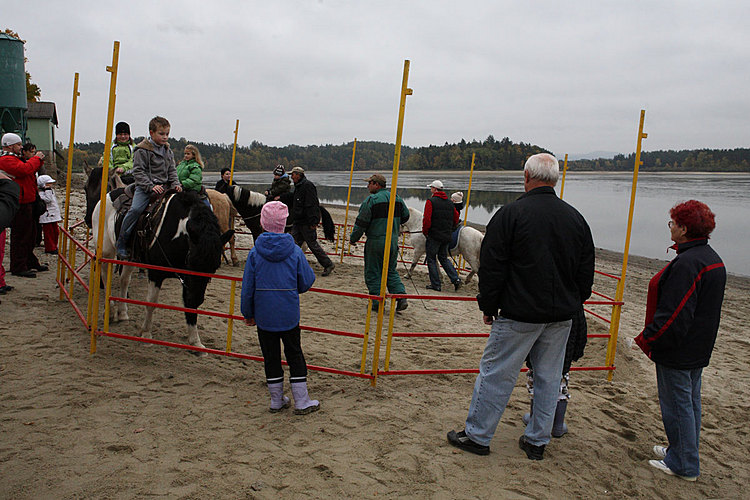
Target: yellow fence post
(234, 151)
(405, 91)
(94, 283)
(63, 245)
(348, 199)
(565, 170)
(466, 206)
(614, 326)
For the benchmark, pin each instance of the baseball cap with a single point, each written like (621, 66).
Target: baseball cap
(10, 139)
(435, 184)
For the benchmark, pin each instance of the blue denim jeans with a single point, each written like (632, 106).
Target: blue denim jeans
(680, 402)
(140, 202)
(438, 250)
(509, 343)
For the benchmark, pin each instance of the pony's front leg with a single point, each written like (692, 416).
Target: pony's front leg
(153, 296)
(121, 308)
(193, 294)
(419, 242)
(233, 252)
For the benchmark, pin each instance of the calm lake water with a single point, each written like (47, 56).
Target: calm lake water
(603, 198)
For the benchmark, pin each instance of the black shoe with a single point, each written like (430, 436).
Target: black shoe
(5, 289)
(41, 267)
(401, 304)
(26, 274)
(461, 440)
(328, 269)
(457, 285)
(532, 452)
(52, 252)
(375, 306)
(430, 287)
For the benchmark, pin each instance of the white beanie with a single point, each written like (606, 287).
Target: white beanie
(10, 139)
(457, 197)
(43, 180)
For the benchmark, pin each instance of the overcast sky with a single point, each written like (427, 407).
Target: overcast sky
(568, 76)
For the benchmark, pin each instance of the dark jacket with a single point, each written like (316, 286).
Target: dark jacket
(306, 209)
(23, 173)
(537, 260)
(222, 186)
(9, 192)
(279, 186)
(373, 217)
(684, 308)
(440, 217)
(276, 272)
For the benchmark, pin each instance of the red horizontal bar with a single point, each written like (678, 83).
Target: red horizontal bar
(598, 316)
(439, 335)
(457, 298)
(72, 303)
(333, 332)
(608, 275)
(225, 353)
(476, 370)
(602, 295)
(345, 294)
(75, 272)
(170, 269)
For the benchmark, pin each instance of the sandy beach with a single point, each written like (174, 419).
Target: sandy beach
(136, 420)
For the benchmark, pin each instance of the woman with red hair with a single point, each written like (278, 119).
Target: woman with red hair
(683, 309)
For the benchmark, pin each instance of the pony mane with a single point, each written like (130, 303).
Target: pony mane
(205, 254)
(245, 197)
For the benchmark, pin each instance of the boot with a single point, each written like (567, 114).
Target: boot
(527, 416)
(401, 304)
(302, 402)
(559, 427)
(278, 400)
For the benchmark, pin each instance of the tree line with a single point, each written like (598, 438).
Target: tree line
(491, 154)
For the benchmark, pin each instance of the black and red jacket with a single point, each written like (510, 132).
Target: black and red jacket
(683, 308)
(440, 218)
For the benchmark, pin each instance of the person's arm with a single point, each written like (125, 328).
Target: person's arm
(9, 194)
(362, 222)
(247, 294)
(427, 217)
(456, 216)
(585, 275)
(675, 309)
(140, 171)
(174, 180)
(404, 212)
(305, 274)
(494, 256)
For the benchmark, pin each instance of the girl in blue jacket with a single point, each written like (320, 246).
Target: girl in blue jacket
(276, 272)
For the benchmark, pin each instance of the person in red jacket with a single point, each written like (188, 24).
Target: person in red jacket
(23, 262)
(439, 220)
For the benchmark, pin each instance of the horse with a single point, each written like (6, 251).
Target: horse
(249, 203)
(187, 236)
(220, 204)
(469, 243)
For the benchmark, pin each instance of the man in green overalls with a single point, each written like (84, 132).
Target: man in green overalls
(372, 220)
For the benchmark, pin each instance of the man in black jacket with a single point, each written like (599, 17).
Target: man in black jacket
(306, 216)
(537, 269)
(440, 217)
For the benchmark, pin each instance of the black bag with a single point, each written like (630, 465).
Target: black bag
(38, 207)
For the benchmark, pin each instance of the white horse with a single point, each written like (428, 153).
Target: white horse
(469, 243)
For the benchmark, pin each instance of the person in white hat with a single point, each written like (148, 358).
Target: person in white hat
(23, 262)
(51, 217)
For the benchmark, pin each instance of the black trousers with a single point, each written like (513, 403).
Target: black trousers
(309, 235)
(270, 346)
(22, 238)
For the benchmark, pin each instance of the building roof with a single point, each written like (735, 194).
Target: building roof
(43, 110)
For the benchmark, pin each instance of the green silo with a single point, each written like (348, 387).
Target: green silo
(12, 85)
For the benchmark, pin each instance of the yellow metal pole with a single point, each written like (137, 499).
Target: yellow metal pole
(230, 321)
(614, 325)
(405, 91)
(63, 246)
(468, 197)
(234, 151)
(102, 195)
(565, 170)
(348, 199)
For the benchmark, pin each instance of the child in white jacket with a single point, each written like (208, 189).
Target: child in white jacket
(51, 217)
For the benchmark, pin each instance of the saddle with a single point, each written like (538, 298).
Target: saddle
(145, 227)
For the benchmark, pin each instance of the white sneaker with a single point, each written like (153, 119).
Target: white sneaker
(659, 464)
(660, 452)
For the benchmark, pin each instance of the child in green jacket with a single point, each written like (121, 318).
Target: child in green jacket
(190, 172)
(121, 155)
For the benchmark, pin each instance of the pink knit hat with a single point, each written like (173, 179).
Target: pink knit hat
(273, 216)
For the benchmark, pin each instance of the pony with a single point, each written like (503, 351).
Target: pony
(469, 243)
(186, 236)
(249, 203)
(220, 204)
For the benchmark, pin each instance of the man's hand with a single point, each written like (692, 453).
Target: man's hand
(119, 170)
(40, 155)
(249, 322)
(158, 189)
(488, 319)
(178, 188)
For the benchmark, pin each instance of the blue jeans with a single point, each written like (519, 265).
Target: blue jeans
(680, 402)
(140, 202)
(440, 250)
(509, 343)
